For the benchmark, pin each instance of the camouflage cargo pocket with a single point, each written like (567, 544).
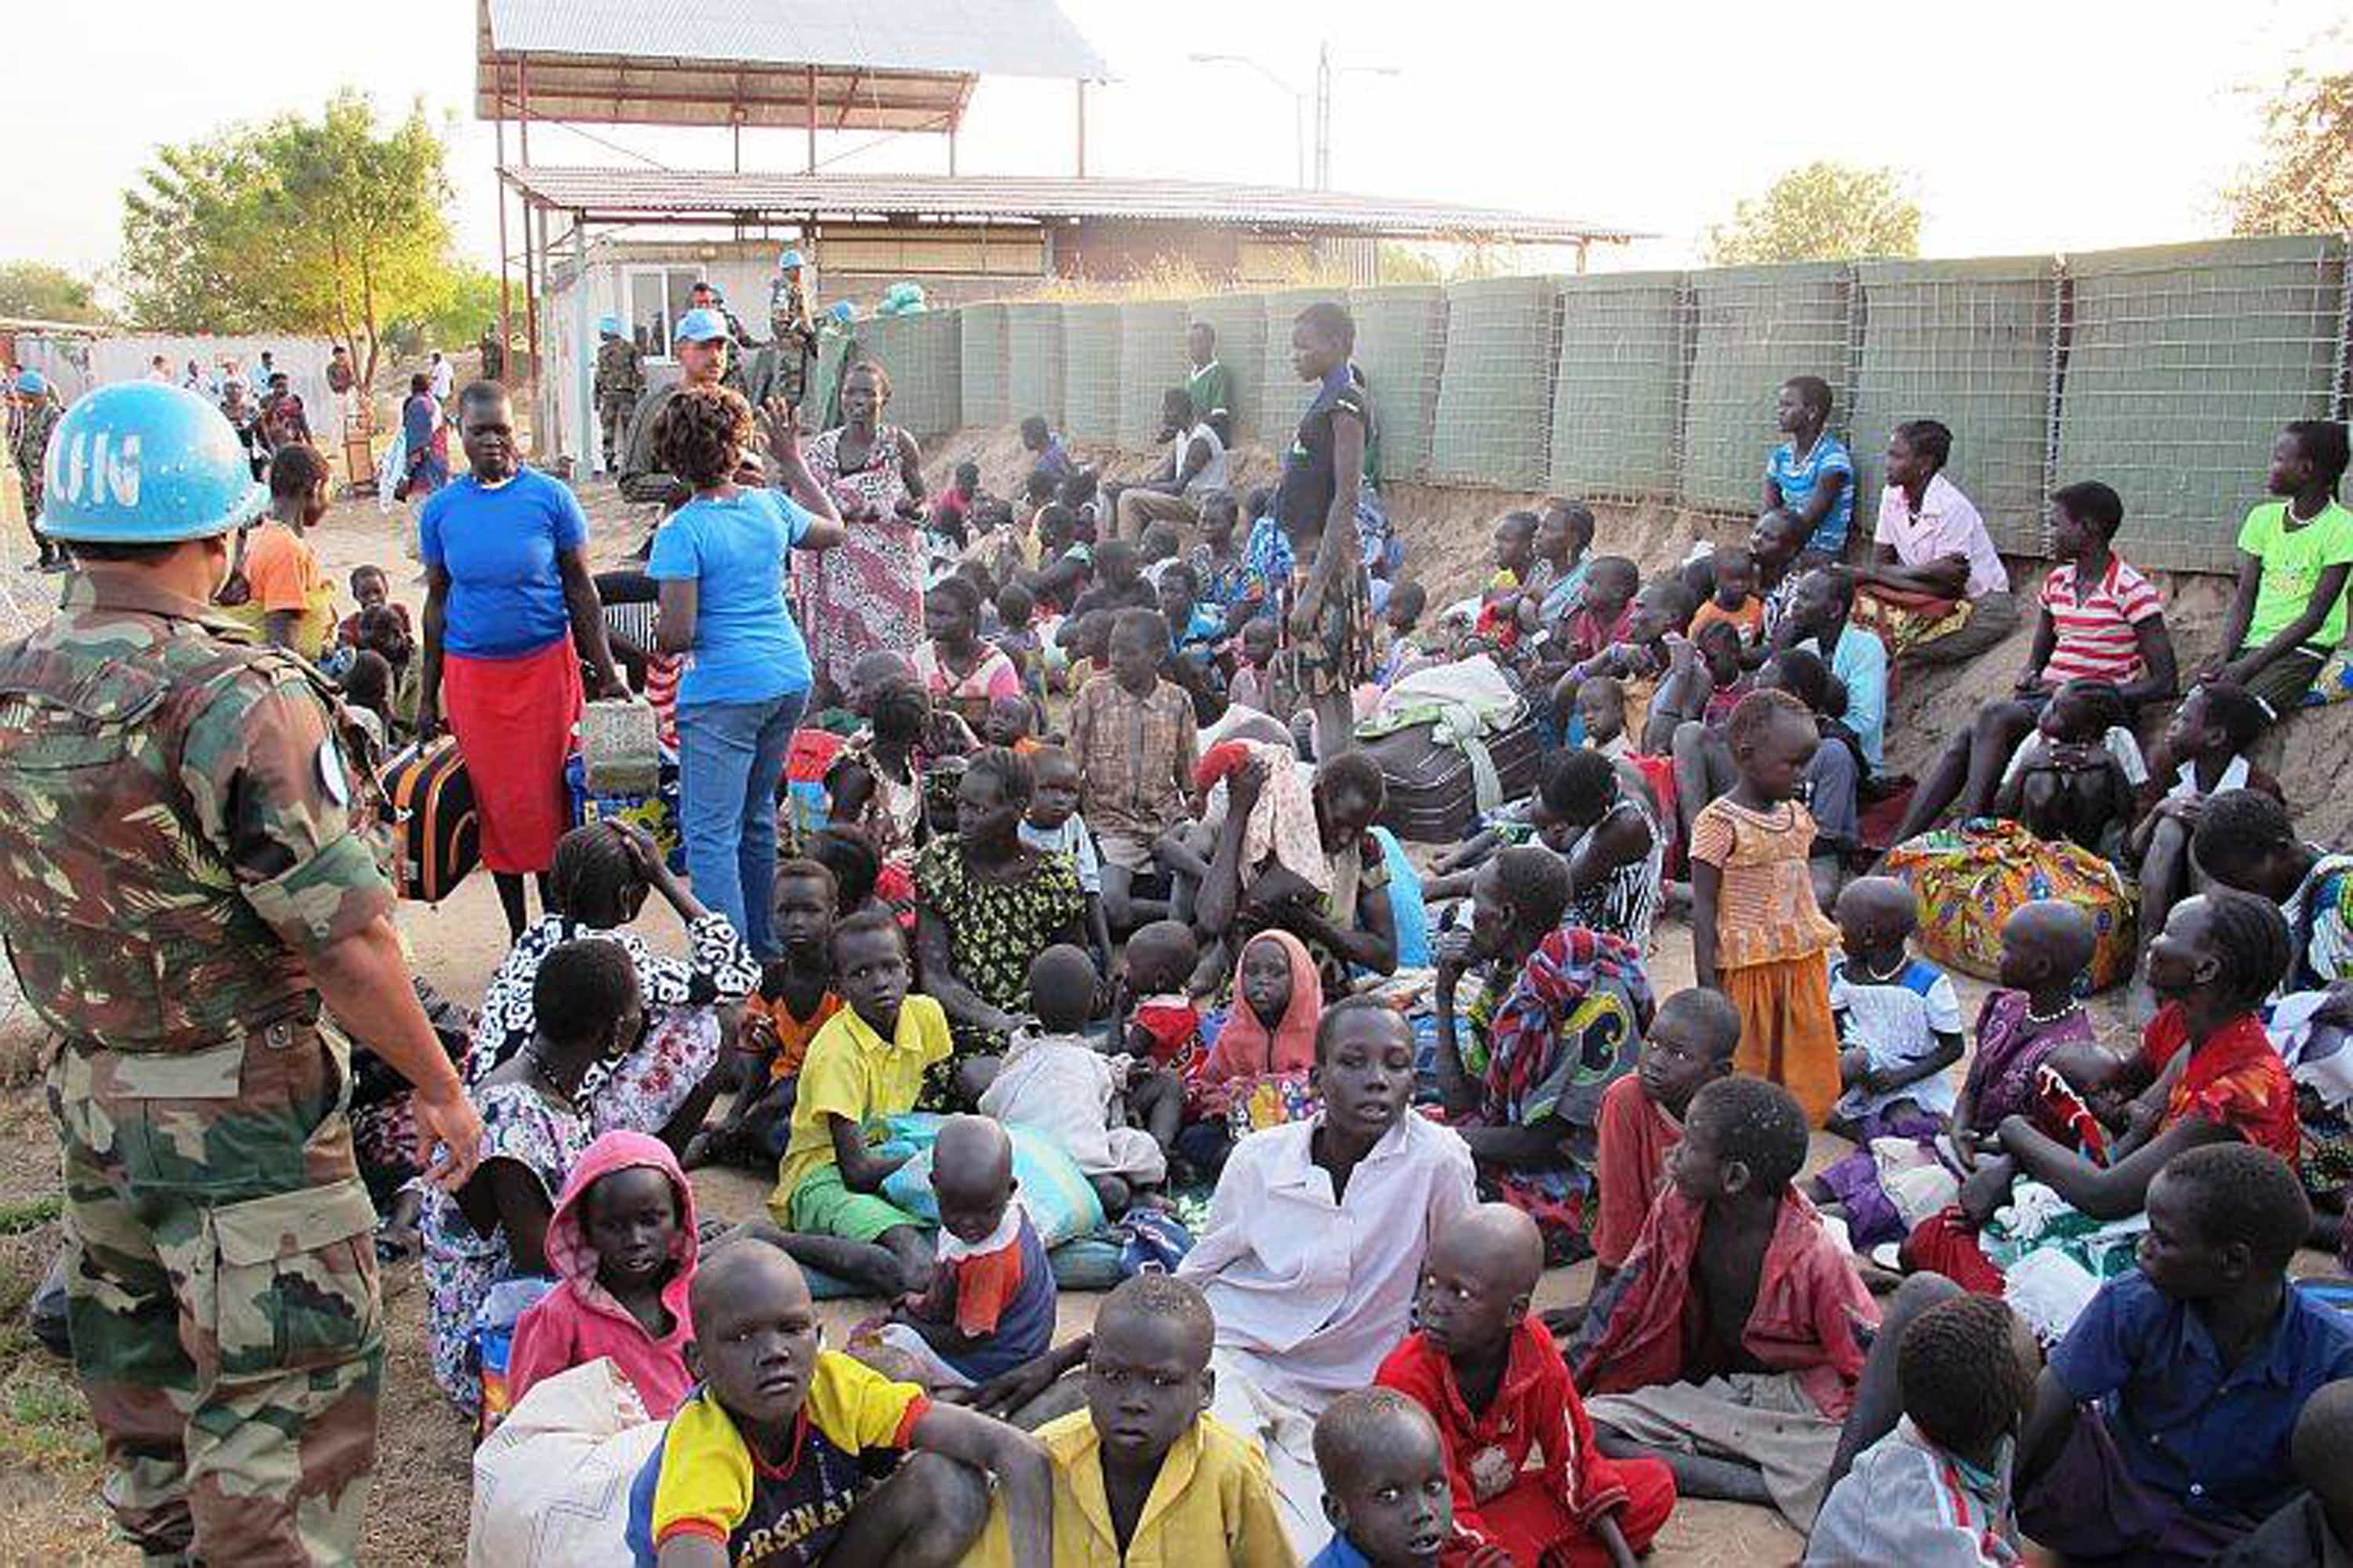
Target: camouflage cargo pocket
(295, 1283)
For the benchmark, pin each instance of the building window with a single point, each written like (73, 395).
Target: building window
(657, 297)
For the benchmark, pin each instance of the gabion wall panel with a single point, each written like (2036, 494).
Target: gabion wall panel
(1617, 386)
(1495, 394)
(982, 368)
(1401, 349)
(1033, 354)
(1090, 372)
(1752, 329)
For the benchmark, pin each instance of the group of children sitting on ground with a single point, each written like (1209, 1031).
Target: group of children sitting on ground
(1345, 1365)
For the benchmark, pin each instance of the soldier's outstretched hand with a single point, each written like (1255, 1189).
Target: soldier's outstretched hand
(449, 1137)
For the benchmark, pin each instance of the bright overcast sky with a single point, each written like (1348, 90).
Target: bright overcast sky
(2026, 125)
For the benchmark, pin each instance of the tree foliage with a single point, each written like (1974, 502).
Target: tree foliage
(2303, 183)
(1822, 212)
(329, 225)
(47, 293)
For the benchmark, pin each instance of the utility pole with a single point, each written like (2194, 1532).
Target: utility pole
(1323, 115)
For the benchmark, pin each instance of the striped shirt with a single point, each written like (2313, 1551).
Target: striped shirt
(2096, 636)
(1624, 903)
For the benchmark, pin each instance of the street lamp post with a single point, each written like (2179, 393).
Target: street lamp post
(1324, 72)
(1298, 107)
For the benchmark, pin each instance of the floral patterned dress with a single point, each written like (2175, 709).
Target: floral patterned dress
(521, 1124)
(995, 929)
(641, 1090)
(866, 595)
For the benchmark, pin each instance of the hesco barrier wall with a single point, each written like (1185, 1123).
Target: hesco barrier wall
(1239, 321)
(1494, 396)
(1151, 361)
(1281, 396)
(1971, 343)
(1752, 329)
(1401, 349)
(1617, 386)
(987, 377)
(1090, 372)
(1033, 361)
(2182, 364)
(2166, 372)
(923, 355)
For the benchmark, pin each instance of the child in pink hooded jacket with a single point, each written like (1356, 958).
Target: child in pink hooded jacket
(622, 1244)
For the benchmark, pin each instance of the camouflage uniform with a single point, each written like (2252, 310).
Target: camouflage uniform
(31, 440)
(180, 830)
(620, 381)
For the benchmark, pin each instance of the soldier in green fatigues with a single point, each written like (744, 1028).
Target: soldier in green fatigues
(188, 880)
(702, 344)
(620, 381)
(36, 415)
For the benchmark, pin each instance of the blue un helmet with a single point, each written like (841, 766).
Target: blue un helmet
(699, 324)
(609, 326)
(790, 261)
(141, 462)
(31, 382)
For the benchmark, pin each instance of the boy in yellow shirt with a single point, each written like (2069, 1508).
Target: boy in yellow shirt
(867, 1063)
(1144, 1477)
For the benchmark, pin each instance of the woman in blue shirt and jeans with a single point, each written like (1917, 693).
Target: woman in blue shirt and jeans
(721, 563)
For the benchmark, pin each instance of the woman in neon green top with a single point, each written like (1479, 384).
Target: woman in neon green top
(2296, 554)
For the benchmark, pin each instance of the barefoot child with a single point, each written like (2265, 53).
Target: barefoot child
(867, 1063)
(795, 999)
(1899, 1019)
(1134, 737)
(622, 1244)
(1758, 934)
(1387, 1501)
(1491, 1377)
(2161, 1431)
(1145, 1474)
(1056, 1080)
(1729, 1344)
(1163, 1028)
(1690, 1046)
(1935, 1489)
(1314, 1244)
(991, 1307)
(775, 1459)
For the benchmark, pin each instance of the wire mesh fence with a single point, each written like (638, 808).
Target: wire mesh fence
(1281, 397)
(1401, 349)
(1151, 361)
(1239, 322)
(1033, 360)
(983, 367)
(1494, 423)
(1618, 387)
(923, 356)
(1752, 329)
(1090, 372)
(2181, 365)
(1972, 344)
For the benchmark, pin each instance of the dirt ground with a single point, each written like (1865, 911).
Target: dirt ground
(48, 1472)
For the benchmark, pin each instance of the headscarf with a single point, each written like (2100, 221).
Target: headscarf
(1572, 1021)
(1245, 1048)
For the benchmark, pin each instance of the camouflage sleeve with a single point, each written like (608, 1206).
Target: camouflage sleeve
(641, 481)
(274, 794)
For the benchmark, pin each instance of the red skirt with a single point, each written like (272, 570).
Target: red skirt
(514, 720)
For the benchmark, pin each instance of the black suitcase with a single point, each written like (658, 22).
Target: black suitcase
(1432, 798)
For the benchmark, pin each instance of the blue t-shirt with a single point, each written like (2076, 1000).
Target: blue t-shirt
(746, 648)
(2211, 1437)
(499, 546)
(1797, 481)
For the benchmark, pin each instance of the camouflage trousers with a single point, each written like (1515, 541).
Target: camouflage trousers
(222, 1291)
(613, 414)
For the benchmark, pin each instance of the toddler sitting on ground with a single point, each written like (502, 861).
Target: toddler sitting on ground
(1899, 1019)
(1056, 1081)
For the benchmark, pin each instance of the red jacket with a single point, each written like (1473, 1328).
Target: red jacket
(1808, 1303)
(1536, 1407)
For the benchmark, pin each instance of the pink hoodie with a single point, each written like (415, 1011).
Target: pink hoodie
(579, 1320)
(1245, 1048)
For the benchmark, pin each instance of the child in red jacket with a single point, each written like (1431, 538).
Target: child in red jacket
(1491, 1376)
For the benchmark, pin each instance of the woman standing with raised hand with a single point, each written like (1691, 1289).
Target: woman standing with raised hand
(511, 610)
(720, 561)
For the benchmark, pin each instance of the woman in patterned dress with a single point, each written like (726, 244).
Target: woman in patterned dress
(868, 593)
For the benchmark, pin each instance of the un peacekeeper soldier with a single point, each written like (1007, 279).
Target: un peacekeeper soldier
(185, 878)
(620, 382)
(700, 342)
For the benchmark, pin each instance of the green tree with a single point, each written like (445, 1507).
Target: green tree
(47, 293)
(329, 225)
(2303, 183)
(1823, 212)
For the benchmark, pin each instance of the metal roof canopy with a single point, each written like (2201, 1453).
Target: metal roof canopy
(695, 196)
(872, 65)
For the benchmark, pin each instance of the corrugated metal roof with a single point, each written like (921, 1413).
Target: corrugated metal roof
(691, 191)
(987, 37)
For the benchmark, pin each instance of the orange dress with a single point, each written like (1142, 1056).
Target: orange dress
(1771, 937)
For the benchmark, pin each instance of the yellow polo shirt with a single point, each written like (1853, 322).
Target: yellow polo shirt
(853, 1071)
(1213, 1503)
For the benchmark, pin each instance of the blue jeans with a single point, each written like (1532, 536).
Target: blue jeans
(730, 759)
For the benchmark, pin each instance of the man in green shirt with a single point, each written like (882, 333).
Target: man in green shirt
(1210, 383)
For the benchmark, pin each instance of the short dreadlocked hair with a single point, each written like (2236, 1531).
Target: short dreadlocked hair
(1963, 1382)
(1758, 1123)
(2237, 1192)
(1536, 885)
